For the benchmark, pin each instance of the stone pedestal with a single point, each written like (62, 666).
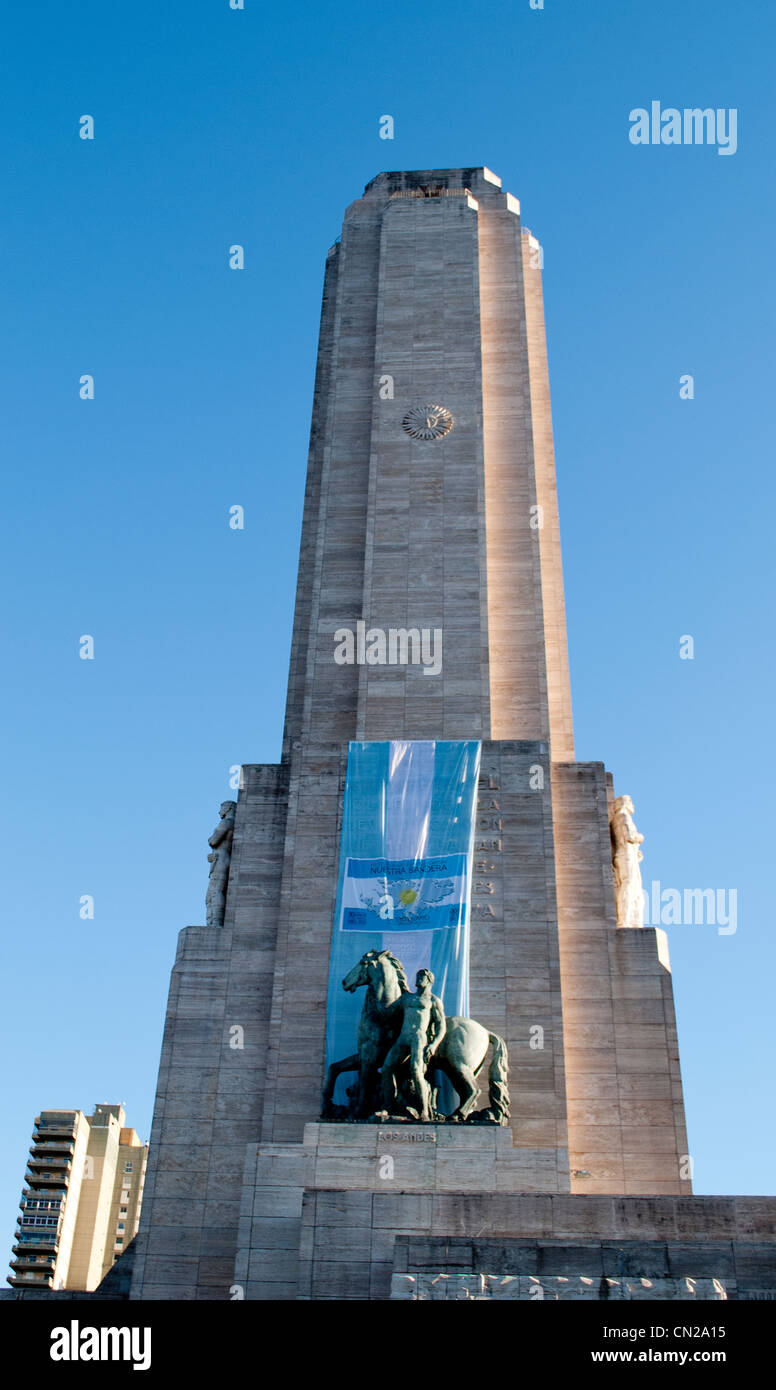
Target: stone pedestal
(447, 1211)
(313, 1217)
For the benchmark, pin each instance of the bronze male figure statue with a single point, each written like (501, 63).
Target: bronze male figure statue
(422, 1030)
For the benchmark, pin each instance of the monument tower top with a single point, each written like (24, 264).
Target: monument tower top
(431, 503)
(426, 182)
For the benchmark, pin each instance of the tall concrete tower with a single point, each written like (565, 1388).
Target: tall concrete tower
(429, 616)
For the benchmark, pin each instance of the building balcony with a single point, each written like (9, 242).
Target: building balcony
(40, 1183)
(28, 1197)
(43, 1147)
(27, 1260)
(43, 1237)
(28, 1219)
(29, 1280)
(36, 1193)
(45, 1241)
(54, 1172)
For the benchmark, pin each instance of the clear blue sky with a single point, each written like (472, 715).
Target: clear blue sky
(259, 126)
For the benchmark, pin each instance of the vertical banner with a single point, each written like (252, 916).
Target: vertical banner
(404, 874)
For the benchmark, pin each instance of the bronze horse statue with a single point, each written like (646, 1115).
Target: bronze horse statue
(460, 1056)
(385, 982)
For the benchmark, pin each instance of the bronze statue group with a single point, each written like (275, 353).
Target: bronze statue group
(404, 1041)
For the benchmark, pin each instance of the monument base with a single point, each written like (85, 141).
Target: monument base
(371, 1212)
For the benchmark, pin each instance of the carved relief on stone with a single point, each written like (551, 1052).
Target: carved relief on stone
(219, 859)
(626, 859)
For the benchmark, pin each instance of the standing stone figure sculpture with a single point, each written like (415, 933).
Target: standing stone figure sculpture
(627, 857)
(219, 859)
(422, 1029)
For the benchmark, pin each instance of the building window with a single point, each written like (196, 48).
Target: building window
(127, 1167)
(120, 1226)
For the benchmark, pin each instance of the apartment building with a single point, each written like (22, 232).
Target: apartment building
(83, 1191)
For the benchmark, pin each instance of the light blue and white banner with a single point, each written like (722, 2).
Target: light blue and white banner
(404, 873)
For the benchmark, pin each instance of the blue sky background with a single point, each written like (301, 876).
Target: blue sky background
(216, 126)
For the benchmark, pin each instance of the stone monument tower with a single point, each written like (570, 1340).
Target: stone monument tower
(428, 660)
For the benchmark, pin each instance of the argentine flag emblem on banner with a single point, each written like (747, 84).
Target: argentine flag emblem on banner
(404, 894)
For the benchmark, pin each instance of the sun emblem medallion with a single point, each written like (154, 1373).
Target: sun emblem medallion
(428, 422)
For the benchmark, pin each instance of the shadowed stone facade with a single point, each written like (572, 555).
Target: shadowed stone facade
(432, 296)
